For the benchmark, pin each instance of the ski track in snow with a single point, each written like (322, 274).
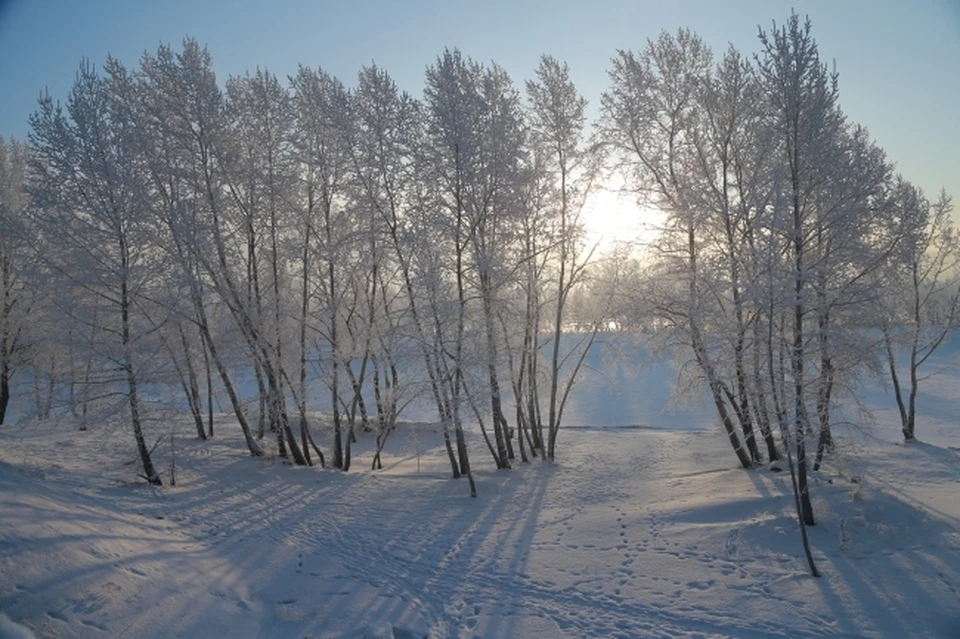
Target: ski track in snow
(631, 533)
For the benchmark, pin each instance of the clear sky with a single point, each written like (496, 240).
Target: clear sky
(899, 60)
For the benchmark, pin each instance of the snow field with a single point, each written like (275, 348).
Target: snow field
(632, 533)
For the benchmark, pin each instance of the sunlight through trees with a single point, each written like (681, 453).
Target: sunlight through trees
(293, 243)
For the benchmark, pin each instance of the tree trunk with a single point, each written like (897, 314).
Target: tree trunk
(895, 378)
(800, 410)
(450, 454)
(496, 405)
(149, 472)
(316, 449)
(335, 399)
(800, 421)
(552, 425)
(743, 412)
(797, 356)
(700, 352)
(760, 399)
(779, 401)
(248, 437)
(5, 346)
(278, 411)
(4, 390)
(911, 417)
(348, 448)
(825, 379)
(520, 429)
(462, 447)
(433, 371)
(304, 308)
(261, 400)
(337, 428)
(191, 387)
(825, 441)
(209, 384)
(728, 425)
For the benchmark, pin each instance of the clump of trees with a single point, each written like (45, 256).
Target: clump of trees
(185, 234)
(171, 230)
(789, 243)
(793, 258)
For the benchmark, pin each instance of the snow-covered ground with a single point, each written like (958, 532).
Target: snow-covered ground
(648, 531)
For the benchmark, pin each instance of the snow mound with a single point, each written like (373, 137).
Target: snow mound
(11, 630)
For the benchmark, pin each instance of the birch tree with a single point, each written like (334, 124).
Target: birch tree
(389, 127)
(259, 180)
(846, 247)
(728, 140)
(15, 297)
(474, 139)
(321, 103)
(89, 195)
(182, 125)
(802, 96)
(648, 119)
(922, 293)
(558, 122)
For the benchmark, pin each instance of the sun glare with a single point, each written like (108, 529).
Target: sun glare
(613, 216)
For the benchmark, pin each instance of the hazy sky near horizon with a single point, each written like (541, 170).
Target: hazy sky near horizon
(899, 62)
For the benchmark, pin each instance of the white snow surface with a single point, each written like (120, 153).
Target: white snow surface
(11, 630)
(633, 532)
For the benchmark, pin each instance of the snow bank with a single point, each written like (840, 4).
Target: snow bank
(11, 630)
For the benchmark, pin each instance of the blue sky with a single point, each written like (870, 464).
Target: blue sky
(899, 61)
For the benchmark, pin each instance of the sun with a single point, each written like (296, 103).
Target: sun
(612, 216)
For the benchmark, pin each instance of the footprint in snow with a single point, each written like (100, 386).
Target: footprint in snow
(701, 585)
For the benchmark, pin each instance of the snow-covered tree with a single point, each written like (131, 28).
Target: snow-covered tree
(384, 130)
(15, 296)
(181, 138)
(802, 95)
(320, 147)
(259, 177)
(650, 124)
(558, 132)
(89, 196)
(921, 287)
